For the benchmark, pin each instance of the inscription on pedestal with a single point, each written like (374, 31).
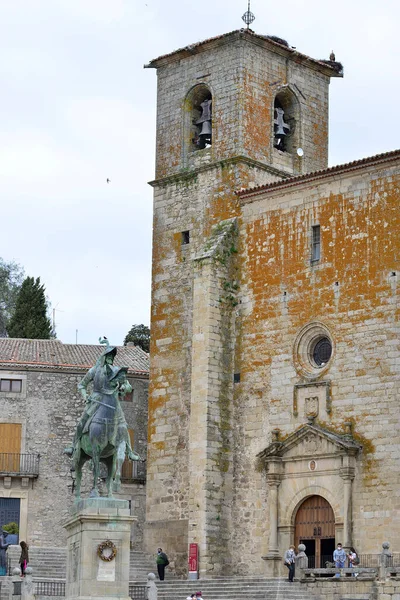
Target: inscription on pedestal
(106, 571)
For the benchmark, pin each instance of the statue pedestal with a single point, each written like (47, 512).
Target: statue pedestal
(94, 521)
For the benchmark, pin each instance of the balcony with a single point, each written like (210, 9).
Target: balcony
(19, 465)
(133, 472)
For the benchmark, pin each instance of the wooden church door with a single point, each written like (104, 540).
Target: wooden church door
(315, 527)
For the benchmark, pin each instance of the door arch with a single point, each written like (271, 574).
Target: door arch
(315, 527)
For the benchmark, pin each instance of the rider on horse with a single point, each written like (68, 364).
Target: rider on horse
(108, 380)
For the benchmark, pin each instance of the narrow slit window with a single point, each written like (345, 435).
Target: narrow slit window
(185, 237)
(316, 243)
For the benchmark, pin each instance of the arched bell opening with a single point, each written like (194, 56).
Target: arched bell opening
(198, 118)
(286, 122)
(314, 526)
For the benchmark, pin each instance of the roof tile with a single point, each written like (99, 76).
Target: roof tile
(53, 353)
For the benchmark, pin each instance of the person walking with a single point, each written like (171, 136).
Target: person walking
(289, 560)
(24, 558)
(339, 558)
(162, 561)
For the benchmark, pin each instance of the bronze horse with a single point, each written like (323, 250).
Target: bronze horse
(105, 441)
(102, 434)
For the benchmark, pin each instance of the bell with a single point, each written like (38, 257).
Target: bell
(206, 128)
(279, 123)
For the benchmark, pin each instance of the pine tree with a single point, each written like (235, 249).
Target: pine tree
(30, 319)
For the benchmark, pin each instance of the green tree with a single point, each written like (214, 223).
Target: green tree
(11, 277)
(140, 336)
(30, 319)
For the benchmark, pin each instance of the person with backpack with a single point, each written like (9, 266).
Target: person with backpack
(162, 561)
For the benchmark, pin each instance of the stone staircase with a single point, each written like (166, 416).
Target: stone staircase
(50, 563)
(233, 588)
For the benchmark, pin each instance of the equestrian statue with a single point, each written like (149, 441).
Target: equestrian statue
(102, 433)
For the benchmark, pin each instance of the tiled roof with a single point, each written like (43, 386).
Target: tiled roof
(322, 174)
(335, 68)
(53, 353)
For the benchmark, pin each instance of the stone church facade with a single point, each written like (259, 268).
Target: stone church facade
(274, 405)
(39, 409)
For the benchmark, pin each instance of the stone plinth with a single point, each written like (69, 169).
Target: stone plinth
(93, 521)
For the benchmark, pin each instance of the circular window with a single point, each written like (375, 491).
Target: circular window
(322, 351)
(313, 350)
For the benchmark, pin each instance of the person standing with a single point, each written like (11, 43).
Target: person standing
(353, 560)
(162, 561)
(289, 560)
(339, 558)
(24, 558)
(3, 552)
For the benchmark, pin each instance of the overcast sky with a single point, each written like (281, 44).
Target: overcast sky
(77, 107)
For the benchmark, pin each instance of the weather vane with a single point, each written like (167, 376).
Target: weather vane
(248, 16)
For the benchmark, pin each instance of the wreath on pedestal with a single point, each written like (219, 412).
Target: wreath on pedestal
(107, 551)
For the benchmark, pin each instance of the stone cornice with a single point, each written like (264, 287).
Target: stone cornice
(70, 370)
(189, 174)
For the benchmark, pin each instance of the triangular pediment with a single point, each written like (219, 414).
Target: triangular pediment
(310, 440)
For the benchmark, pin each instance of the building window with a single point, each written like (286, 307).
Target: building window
(315, 243)
(185, 237)
(11, 385)
(322, 351)
(236, 378)
(313, 350)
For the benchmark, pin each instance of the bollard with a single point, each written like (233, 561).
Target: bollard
(27, 585)
(16, 583)
(301, 562)
(151, 587)
(385, 559)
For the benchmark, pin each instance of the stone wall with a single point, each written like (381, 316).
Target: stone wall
(49, 412)
(353, 292)
(350, 588)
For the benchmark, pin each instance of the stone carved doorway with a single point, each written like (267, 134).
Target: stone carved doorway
(315, 527)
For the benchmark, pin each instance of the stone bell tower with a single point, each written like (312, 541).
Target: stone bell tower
(235, 111)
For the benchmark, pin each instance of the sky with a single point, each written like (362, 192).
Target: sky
(77, 107)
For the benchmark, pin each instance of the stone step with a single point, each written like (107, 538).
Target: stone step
(50, 563)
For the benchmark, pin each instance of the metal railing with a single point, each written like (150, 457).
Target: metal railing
(19, 464)
(50, 588)
(368, 561)
(138, 592)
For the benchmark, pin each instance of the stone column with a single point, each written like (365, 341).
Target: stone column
(273, 516)
(347, 474)
(273, 557)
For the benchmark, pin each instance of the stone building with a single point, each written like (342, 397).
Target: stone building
(274, 408)
(39, 409)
